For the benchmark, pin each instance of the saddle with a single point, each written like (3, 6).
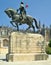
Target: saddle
(22, 18)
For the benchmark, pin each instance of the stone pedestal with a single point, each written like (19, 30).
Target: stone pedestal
(26, 47)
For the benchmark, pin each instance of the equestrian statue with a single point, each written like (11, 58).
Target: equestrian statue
(21, 18)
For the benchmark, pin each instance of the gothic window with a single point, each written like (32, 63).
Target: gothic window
(0, 33)
(0, 43)
(5, 43)
(3, 33)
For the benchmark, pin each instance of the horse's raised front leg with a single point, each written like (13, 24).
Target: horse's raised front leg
(12, 23)
(16, 25)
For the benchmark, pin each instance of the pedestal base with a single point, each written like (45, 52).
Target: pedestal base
(26, 47)
(26, 57)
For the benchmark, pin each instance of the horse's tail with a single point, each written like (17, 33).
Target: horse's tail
(36, 23)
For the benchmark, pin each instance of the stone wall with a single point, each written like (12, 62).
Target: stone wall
(3, 50)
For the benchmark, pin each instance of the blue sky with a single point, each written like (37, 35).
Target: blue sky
(39, 9)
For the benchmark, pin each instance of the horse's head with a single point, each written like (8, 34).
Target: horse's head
(10, 12)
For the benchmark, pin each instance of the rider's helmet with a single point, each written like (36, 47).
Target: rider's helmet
(22, 4)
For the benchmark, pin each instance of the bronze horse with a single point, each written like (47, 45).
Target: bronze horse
(16, 19)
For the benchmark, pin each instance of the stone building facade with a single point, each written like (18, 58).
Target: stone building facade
(46, 32)
(4, 38)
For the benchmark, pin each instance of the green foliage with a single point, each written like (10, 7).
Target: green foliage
(48, 50)
(49, 43)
